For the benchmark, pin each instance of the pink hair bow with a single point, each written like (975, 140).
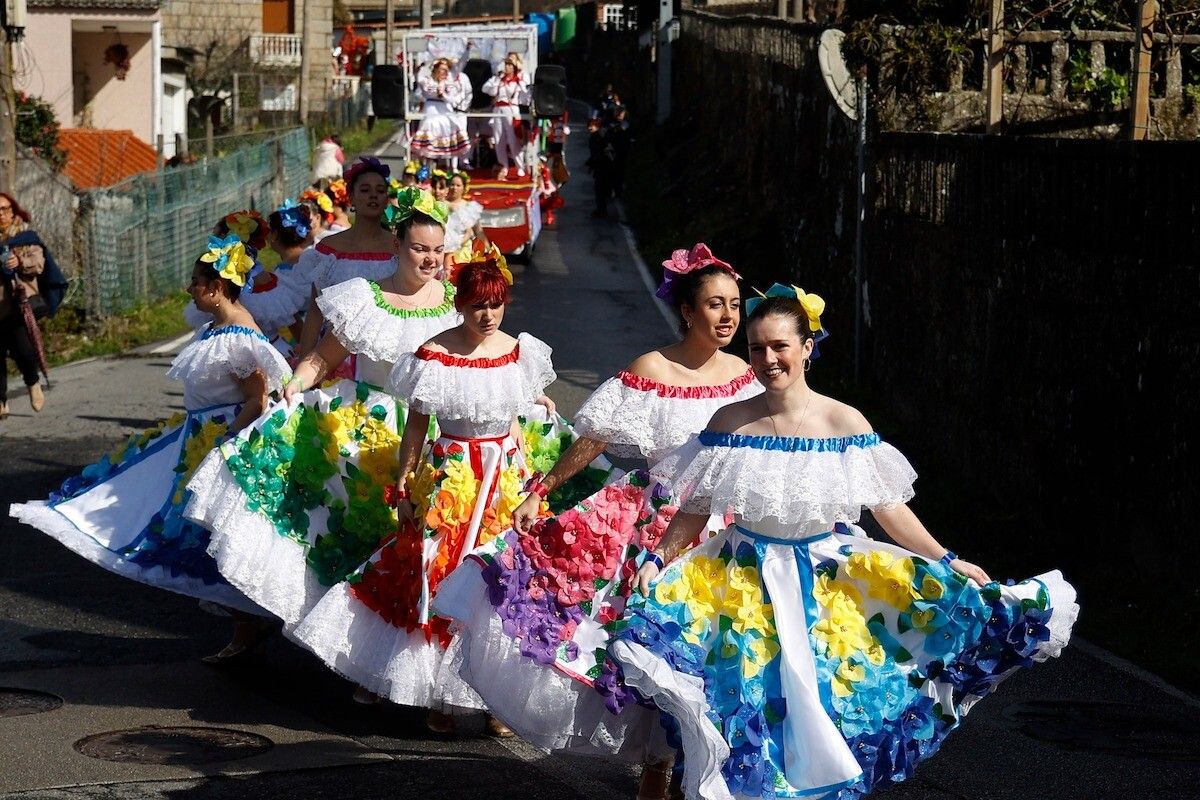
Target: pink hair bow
(682, 262)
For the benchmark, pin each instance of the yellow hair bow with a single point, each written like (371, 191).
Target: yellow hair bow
(229, 258)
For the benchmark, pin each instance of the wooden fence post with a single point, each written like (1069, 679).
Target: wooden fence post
(995, 68)
(1147, 11)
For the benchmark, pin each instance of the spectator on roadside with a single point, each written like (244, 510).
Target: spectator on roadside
(600, 162)
(328, 159)
(620, 140)
(605, 104)
(31, 287)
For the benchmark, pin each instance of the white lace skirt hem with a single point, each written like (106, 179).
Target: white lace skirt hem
(363, 647)
(53, 524)
(268, 568)
(545, 707)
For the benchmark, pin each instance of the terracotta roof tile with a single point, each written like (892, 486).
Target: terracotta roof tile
(103, 157)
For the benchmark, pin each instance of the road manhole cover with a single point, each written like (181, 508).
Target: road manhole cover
(20, 702)
(180, 746)
(1170, 733)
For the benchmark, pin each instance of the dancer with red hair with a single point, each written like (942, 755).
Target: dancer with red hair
(459, 491)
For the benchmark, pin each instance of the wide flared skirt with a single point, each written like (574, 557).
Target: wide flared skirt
(378, 628)
(532, 611)
(826, 666)
(125, 512)
(297, 501)
(440, 136)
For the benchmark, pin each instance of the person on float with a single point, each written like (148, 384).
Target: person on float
(794, 656)
(440, 136)
(367, 250)
(509, 91)
(461, 108)
(459, 491)
(465, 226)
(531, 652)
(125, 512)
(297, 503)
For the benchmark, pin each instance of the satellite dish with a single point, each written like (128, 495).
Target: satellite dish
(837, 76)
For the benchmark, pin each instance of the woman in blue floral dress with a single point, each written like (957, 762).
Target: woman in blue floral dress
(125, 512)
(791, 655)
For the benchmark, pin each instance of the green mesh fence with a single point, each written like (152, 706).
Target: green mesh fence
(139, 239)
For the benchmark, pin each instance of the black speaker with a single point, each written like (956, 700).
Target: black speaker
(387, 91)
(549, 90)
(478, 70)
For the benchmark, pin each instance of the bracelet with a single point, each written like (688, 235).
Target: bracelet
(294, 378)
(535, 486)
(653, 558)
(950, 556)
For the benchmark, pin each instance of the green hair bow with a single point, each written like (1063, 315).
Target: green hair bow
(411, 200)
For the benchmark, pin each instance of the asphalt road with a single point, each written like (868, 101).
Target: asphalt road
(121, 655)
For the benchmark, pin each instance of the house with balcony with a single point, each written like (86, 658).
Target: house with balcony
(247, 57)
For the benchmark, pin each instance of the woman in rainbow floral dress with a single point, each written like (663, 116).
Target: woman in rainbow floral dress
(367, 250)
(125, 512)
(296, 503)
(792, 655)
(460, 490)
(533, 603)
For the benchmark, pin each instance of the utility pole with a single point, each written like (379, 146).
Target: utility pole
(389, 27)
(426, 13)
(516, 10)
(995, 68)
(13, 12)
(305, 64)
(1140, 128)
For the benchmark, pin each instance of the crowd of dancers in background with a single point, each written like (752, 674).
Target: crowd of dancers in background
(369, 461)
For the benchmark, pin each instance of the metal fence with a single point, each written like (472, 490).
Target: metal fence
(139, 239)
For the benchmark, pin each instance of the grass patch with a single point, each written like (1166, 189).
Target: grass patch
(71, 335)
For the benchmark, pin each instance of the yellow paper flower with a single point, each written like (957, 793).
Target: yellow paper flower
(511, 495)
(229, 258)
(888, 579)
(844, 634)
(757, 655)
(460, 483)
(420, 484)
(197, 447)
(268, 259)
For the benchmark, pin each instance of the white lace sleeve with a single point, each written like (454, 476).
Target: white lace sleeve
(365, 325)
(230, 351)
(276, 307)
(480, 390)
(640, 417)
(802, 482)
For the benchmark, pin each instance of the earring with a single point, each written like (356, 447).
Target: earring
(807, 364)
(688, 323)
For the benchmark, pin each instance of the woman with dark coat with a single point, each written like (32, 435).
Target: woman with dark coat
(31, 287)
